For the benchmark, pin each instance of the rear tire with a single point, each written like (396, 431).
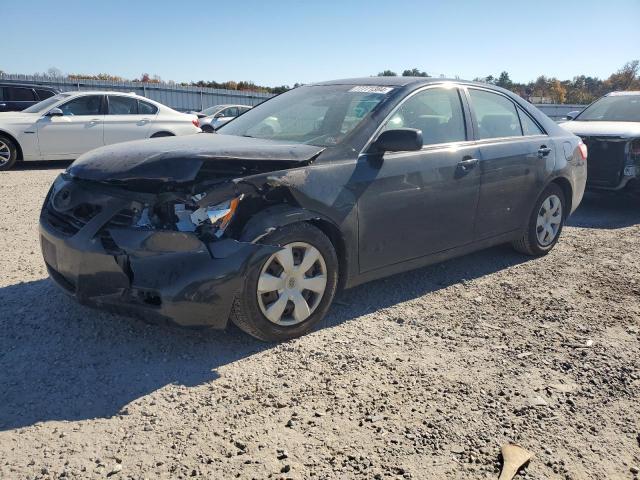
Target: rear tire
(208, 129)
(545, 224)
(251, 306)
(8, 153)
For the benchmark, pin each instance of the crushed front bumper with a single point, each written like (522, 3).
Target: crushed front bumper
(157, 275)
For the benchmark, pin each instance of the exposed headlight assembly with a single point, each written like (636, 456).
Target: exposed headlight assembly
(216, 216)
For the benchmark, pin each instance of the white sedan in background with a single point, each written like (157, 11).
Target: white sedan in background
(69, 124)
(214, 117)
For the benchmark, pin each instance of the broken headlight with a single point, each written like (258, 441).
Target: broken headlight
(215, 218)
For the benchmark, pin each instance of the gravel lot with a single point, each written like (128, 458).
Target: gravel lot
(422, 375)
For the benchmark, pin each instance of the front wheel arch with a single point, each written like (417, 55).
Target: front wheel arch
(282, 215)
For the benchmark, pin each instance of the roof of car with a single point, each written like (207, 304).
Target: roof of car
(101, 92)
(623, 93)
(387, 81)
(28, 85)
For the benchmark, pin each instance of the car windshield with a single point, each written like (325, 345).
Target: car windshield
(45, 104)
(321, 115)
(614, 108)
(211, 110)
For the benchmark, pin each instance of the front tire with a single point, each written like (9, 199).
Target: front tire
(545, 224)
(289, 293)
(8, 153)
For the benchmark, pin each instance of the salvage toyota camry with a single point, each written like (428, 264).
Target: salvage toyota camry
(324, 187)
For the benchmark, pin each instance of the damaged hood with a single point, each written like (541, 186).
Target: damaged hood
(618, 129)
(175, 160)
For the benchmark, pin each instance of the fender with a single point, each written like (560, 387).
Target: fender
(275, 217)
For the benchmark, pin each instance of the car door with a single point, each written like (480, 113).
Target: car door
(124, 121)
(78, 130)
(418, 203)
(511, 161)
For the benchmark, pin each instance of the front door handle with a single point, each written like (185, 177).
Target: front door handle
(94, 121)
(467, 163)
(543, 151)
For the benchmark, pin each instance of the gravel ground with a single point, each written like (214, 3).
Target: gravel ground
(422, 375)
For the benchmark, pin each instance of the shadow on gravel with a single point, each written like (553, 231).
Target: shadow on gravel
(607, 211)
(63, 361)
(42, 165)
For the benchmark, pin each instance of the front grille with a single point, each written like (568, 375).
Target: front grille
(605, 163)
(123, 219)
(70, 221)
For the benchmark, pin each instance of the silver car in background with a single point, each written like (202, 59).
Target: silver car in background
(212, 118)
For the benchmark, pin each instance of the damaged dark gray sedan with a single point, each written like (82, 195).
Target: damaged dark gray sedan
(324, 187)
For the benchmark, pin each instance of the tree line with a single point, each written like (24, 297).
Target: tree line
(582, 89)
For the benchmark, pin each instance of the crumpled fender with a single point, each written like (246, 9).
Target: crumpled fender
(275, 217)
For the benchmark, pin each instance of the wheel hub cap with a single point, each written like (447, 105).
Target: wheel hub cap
(292, 283)
(549, 220)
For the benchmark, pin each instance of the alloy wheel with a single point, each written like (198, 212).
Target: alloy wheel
(292, 283)
(5, 153)
(549, 220)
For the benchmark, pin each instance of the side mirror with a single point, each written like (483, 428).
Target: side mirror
(218, 115)
(398, 140)
(54, 112)
(572, 115)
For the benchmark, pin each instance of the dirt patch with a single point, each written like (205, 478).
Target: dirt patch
(422, 375)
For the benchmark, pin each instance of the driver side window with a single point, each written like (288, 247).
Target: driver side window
(87, 105)
(437, 112)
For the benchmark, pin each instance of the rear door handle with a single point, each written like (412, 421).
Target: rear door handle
(543, 151)
(94, 121)
(467, 164)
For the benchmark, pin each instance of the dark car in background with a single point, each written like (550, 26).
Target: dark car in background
(15, 97)
(610, 127)
(326, 186)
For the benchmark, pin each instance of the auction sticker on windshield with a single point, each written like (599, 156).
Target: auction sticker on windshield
(371, 89)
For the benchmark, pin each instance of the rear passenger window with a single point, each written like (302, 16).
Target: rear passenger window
(435, 111)
(496, 116)
(529, 127)
(44, 94)
(18, 94)
(145, 108)
(123, 106)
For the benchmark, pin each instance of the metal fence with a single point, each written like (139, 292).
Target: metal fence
(187, 99)
(175, 96)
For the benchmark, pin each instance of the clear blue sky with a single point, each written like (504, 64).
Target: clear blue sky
(283, 42)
